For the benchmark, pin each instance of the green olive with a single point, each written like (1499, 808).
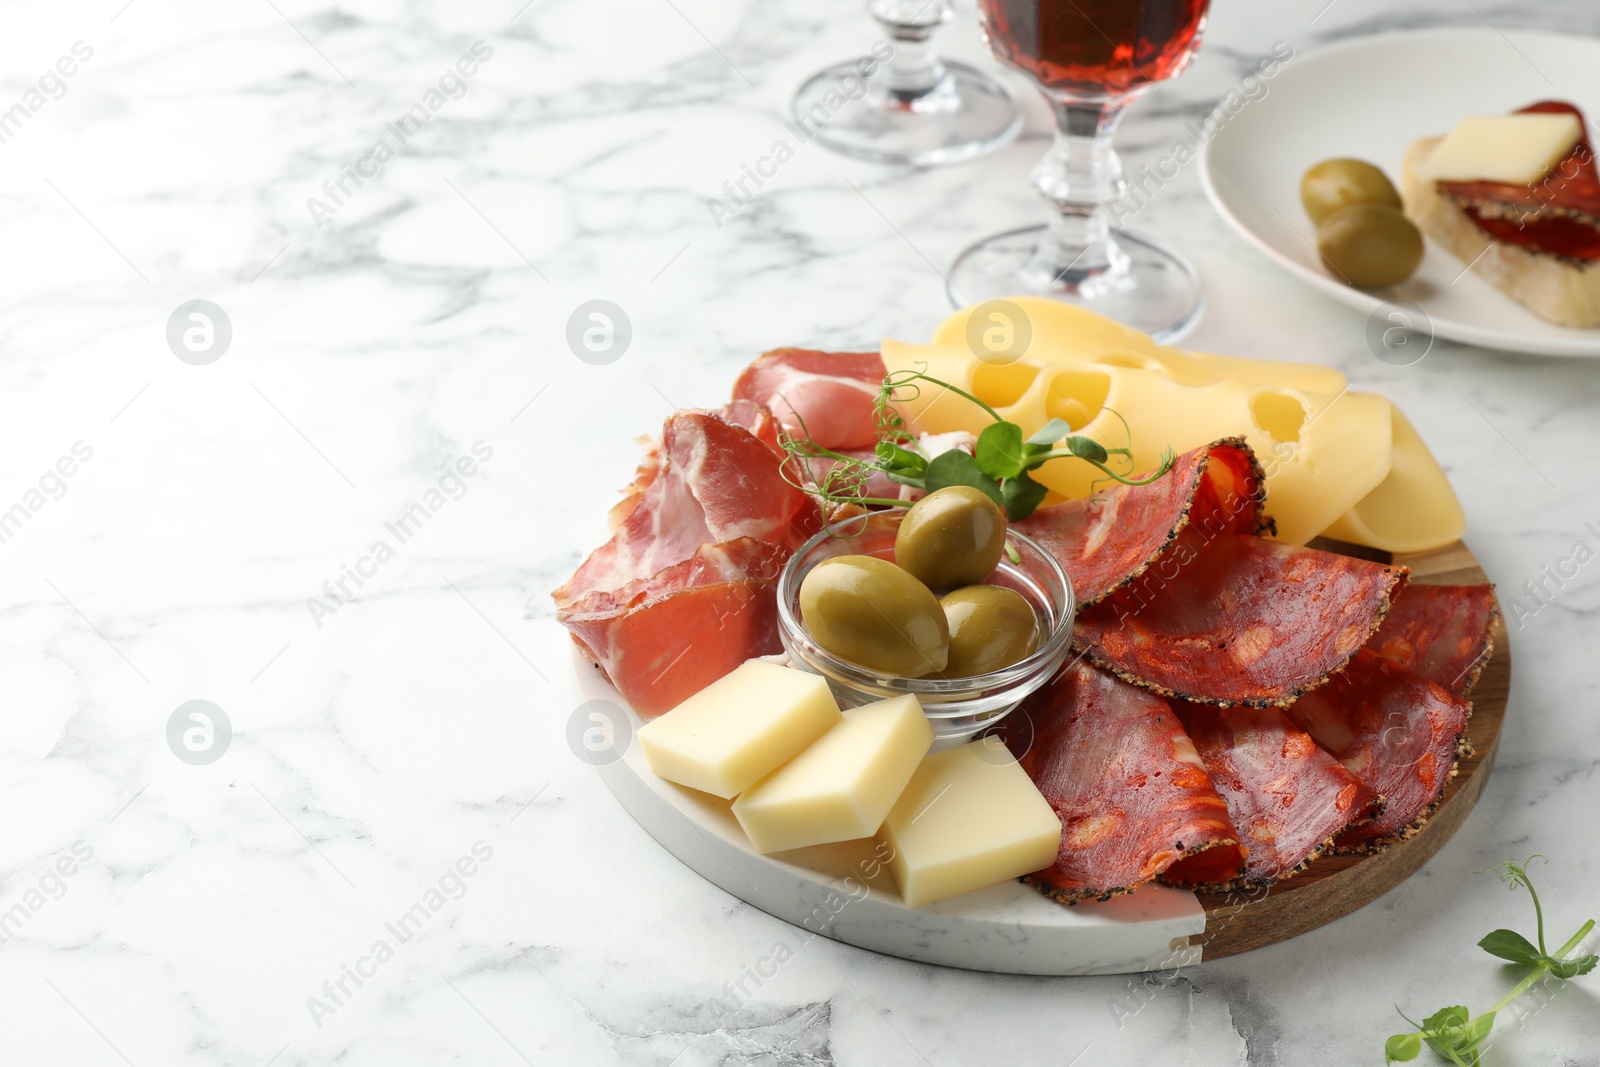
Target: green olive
(951, 537)
(1336, 183)
(1369, 244)
(990, 627)
(870, 612)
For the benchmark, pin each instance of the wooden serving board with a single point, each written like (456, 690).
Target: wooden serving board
(1334, 886)
(835, 891)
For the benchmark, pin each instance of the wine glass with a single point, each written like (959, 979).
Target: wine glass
(1092, 58)
(901, 103)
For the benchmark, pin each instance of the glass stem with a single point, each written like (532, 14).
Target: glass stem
(912, 70)
(1081, 177)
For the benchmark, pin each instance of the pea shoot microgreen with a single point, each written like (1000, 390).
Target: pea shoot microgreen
(1453, 1032)
(1000, 465)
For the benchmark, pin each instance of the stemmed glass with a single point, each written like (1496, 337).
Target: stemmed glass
(1092, 58)
(901, 103)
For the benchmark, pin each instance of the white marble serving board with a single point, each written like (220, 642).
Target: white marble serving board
(837, 891)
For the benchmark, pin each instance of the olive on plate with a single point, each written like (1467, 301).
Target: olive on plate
(875, 614)
(990, 627)
(1338, 183)
(952, 537)
(1369, 245)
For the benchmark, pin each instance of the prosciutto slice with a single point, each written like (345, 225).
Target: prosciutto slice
(831, 392)
(684, 590)
(1117, 767)
(662, 639)
(1286, 796)
(1396, 731)
(1445, 633)
(1108, 540)
(714, 481)
(1236, 619)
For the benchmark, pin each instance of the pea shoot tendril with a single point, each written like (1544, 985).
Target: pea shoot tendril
(1000, 464)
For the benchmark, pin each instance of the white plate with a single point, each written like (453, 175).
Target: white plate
(1370, 98)
(1008, 928)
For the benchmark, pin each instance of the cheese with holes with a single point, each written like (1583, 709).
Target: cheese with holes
(1516, 148)
(843, 786)
(970, 818)
(1060, 333)
(740, 728)
(1414, 509)
(1322, 452)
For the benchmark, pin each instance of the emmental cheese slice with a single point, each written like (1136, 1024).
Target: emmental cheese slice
(1517, 148)
(1065, 335)
(969, 818)
(843, 786)
(740, 728)
(1322, 452)
(1414, 509)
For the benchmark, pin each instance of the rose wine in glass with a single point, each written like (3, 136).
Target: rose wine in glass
(901, 103)
(1092, 58)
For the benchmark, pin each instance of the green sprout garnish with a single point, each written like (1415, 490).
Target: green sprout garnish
(1000, 465)
(1457, 1036)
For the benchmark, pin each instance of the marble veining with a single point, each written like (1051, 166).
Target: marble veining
(231, 912)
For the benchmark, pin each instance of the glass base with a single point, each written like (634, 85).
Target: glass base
(1148, 287)
(967, 114)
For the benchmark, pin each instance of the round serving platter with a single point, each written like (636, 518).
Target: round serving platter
(840, 892)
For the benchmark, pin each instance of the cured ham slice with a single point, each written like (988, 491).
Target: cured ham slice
(1117, 767)
(752, 416)
(1398, 732)
(1236, 619)
(715, 481)
(831, 392)
(1107, 540)
(664, 638)
(1445, 633)
(684, 590)
(1286, 796)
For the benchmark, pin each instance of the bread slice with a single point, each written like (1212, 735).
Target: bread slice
(1559, 290)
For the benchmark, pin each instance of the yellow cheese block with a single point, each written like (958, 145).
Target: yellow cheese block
(1519, 148)
(841, 787)
(969, 818)
(1064, 334)
(1414, 509)
(740, 728)
(1322, 452)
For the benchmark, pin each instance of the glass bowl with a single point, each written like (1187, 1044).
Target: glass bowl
(957, 708)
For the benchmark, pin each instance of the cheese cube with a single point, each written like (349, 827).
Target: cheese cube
(740, 728)
(970, 818)
(1515, 148)
(841, 787)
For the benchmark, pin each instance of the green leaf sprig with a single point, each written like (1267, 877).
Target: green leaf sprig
(1453, 1033)
(1000, 464)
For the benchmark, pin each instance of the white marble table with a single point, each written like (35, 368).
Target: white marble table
(398, 771)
